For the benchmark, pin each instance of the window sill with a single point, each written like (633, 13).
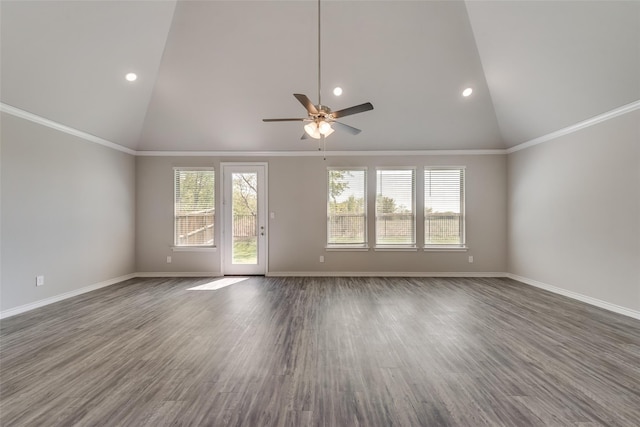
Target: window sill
(194, 248)
(346, 248)
(445, 248)
(395, 248)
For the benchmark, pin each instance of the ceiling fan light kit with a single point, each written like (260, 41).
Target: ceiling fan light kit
(318, 129)
(321, 120)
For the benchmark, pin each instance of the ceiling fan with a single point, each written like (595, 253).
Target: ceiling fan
(321, 120)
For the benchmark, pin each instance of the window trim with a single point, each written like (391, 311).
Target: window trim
(346, 247)
(447, 247)
(444, 248)
(193, 248)
(399, 246)
(396, 248)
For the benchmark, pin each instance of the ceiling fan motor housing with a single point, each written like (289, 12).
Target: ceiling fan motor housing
(324, 112)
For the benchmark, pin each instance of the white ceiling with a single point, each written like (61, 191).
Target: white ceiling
(209, 71)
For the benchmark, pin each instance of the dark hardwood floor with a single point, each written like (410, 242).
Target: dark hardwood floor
(320, 352)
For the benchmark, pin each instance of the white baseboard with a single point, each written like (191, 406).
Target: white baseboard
(179, 274)
(28, 307)
(381, 274)
(31, 306)
(574, 295)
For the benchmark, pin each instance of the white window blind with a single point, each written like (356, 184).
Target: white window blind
(444, 222)
(194, 207)
(395, 207)
(346, 207)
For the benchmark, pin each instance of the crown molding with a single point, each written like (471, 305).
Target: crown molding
(578, 126)
(633, 106)
(17, 112)
(317, 153)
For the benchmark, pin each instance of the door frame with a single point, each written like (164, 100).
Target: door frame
(263, 217)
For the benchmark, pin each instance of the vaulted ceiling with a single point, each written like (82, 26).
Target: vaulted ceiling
(210, 71)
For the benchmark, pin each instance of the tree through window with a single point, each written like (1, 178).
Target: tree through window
(444, 206)
(346, 207)
(194, 207)
(395, 207)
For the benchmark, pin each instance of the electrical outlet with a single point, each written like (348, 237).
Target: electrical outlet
(321, 258)
(471, 258)
(39, 280)
(168, 260)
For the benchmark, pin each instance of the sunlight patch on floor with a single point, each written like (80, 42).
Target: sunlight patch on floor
(217, 284)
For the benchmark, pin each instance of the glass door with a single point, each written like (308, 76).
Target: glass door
(245, 225)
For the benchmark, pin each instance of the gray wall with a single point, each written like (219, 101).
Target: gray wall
(565, 213)
(574, 212)
(68, 213)
(297, 235)
(154, 213)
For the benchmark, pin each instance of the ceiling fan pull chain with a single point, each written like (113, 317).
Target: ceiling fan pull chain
(324, 147)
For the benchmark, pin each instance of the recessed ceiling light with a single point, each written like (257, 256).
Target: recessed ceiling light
(337, 91)
(468, 91)
(131, 77)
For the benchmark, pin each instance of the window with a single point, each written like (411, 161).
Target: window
(395, 207)
(194, 210)
(346, 207)
(444, 207)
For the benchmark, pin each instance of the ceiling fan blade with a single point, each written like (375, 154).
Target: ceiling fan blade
(346, 128)
(352, 110)
(306, 103)
(284, 120)
(304, 136)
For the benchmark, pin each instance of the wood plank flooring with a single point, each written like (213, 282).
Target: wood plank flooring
(320, 352)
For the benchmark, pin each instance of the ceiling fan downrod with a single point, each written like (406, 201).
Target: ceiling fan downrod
(319, 59)
(321, 119)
